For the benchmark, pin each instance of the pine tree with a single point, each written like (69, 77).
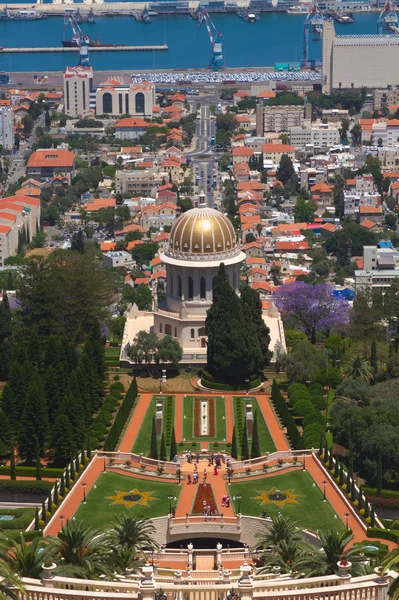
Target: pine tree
(229, 353)
(255, 448)
(154, 442)
(162, 452)
(173, 445)
(62, 485)
(50, 504)
(13, 473)
(63, 443)
(373, 356)
(379, 473)
(37, 462)
(5, 337)
(34, 422)
(244, 443)
(88, 448)
(52, 389)
(37, 526)
(234, 452)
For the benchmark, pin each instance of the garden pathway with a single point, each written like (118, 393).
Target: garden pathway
(179, 417)
(272, 423)
(135, 423)
(229, 417)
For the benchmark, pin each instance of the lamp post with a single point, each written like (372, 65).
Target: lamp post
(160, 385)
(324, 490)
(105, 466)
(62, 520)
(347, 515)
(84, 492)
(238, 498)
(247, 381)
(170, 498)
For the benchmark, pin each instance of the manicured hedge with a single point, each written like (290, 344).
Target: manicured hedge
(121, 418)
(28, 535)
(391, 535)
(213, 385)
(285, 415)
(168, 419)
(10, 486)
(384, 494)
(31, 471)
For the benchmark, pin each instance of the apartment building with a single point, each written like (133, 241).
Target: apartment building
(274, 152)
(78, 84)
(278, 118)
(316, 136)
(380, 267)
(139, 182)
(386, 98)
(17, 214)
(47, 164)
(7, 127)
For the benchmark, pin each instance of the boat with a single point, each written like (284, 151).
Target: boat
(152, 13)
(92, 44)
(21, 15)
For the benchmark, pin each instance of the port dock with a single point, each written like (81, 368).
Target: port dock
(160, 48)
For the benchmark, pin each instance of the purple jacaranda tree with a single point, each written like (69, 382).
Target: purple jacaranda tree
(312, 307)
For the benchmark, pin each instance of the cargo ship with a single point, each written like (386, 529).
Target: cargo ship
(92, 43)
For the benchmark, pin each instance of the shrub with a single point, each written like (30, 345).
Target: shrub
(313, 428)
(294, 337)
(10, 486)
(118, 386)
(316, 389)
(194, 444)
(314, 417)
(319, 402)
(303, 408)
(312, 440)
(296, 387)
(375, 532)
(121, 416)
(298, 396)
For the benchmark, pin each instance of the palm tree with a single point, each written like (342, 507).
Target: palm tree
(357, 367)
(133, 533)
(25, 559)
(8, 581)
(286, 554)
(391, 562)
(125, 558)
(282, 529)
(84, 552)
(333, 546)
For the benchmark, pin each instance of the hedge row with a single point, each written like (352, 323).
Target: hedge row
(213, 385)
(100, 425)
(285, 415)
(168, 419)
(31, 471)
(240, 421)
(384, 493)
(121, 418)
(11, 486)
(375, 532)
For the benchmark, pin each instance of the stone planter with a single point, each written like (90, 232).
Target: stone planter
(344, 567)
(48, 571)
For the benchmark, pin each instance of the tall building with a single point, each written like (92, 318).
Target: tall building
(7, 127)
(278, 118)
(78, 83)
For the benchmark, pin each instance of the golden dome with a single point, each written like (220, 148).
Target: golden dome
(202, 231)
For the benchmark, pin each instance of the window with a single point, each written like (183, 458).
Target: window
(179, 285)
(192, 334)
(84, 94)
(202, 288)
(127, 104)
(67, 95)
(140, 102)
(201, 332)
(107, 103)
(160, 328)
(168, 330)
(120, 104)
(175, 331)
(190, 288)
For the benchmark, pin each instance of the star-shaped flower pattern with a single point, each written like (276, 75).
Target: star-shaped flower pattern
(277, 497)
(132, 498)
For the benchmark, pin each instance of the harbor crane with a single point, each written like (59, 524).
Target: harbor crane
(81, 40)
(313, 23)
(215, 37)
(388, 20)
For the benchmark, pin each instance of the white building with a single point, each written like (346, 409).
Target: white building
(116, 98)
(7, 127)
(78, 84)
(380, 267)
(200, 240)
(317, 136)
(119, 258)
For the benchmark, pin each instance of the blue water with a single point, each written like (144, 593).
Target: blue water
(6, 517)
(277, 37)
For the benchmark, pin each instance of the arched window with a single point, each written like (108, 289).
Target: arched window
(201, 332)
(179, 285)
(175, 331)
(140, 102)
(168, 330)
(192, 334)
(202, 288)
(160, 328)
(190, 288)
(235, 280)
(171, 285)
(107, 103)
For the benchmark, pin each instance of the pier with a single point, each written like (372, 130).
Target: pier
(162, 47)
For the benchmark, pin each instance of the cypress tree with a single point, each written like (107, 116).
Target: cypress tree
(5, 337)
(34, 422)
(173, 445)
(373, 356)
(82, 457)
(44, 516)
(37, 463)
(55, 494)
(353, 489)
(67, 479)
(5, 434)
(229, 353)
(255, 448)
(366, 508)
(361, 499)
(350, 458)
(13, 474)
(341, 473)
(63, 443)
(154, 442)
(244, 443)
(49, 504)
(72, 470)
(77, 463)
(88, 448)
(234, 452)
(252, 309)
(379, 473)
(37, 526)
(62, 485)
(162, 452)
(372, 516)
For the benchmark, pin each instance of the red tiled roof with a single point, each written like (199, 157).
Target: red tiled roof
(370, 210)
(51, 158)
(129, 122)
(4, 229)
(280, 148)
(242, 151)
(287, 246)
(7, 216)
(255, 260)
(367, 224)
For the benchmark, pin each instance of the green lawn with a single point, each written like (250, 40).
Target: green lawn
(99, 510)
(265, 439)
(220, 420)
(310, 512)
(22, 518)
(143, 439)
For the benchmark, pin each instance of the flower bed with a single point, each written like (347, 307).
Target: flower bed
(390, 503)
(211, 417)
(203, 493)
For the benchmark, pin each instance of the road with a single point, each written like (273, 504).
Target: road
(17, 166)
